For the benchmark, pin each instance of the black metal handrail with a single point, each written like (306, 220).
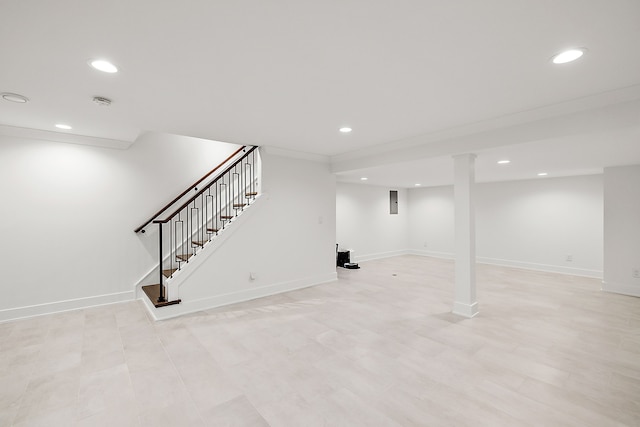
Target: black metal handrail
(199, 219)
(194, 185)
(185, 204)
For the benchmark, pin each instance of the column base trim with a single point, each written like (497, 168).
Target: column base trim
(465, 310)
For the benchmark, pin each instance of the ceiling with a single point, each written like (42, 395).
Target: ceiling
(417, 78)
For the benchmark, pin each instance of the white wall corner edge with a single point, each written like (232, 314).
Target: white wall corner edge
(187, 307)
(66, 305)
(618, 288)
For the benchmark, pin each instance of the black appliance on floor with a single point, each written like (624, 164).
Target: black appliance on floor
(343, 259)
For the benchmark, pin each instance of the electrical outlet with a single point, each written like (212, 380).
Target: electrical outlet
(635, 273)
(569, 258)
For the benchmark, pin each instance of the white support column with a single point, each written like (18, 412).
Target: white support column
(465, 303)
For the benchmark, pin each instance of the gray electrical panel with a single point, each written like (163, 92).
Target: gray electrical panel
(393, 202)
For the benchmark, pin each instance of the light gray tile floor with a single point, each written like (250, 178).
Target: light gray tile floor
(379, 347)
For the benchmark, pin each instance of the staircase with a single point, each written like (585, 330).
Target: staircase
(220, 196)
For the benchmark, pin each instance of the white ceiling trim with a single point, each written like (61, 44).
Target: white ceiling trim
(45, 135)
(282, 152)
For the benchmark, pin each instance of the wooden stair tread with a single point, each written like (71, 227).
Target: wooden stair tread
(251, 194)
(169, 273)
(226, 216)
(153, 293)
(239, 205)
(212, 230)
(199, 242)
(184, 257)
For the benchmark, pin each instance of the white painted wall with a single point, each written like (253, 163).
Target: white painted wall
(287, 240)
(531, 224)
(68, 213)
(364, 224)
(622, 229)
(539, 223)
(431, 221)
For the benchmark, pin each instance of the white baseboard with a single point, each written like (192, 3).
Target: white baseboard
(67, 305)
(187, 307)
(380, 255)
(519, 264)
(433, 254)
(619, 288)
(542, 267)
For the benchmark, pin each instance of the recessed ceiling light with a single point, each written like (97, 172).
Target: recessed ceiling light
(543, 174)
(14, 97)
(63, 126)
(568, 56)
(504, 162)
(364, 178)
(345, 130)
(102, 65)
(417, 185)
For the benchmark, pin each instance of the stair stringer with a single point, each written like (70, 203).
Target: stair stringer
(151, 277)
(180, 277)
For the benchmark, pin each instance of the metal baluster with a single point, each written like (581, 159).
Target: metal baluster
(217, 209)
(241, 189)
(178, 242)
(230, 194)
(250, 177)
(192, 245)
(202, 227)
(171, 225)
(161, 297)
(226, 189)
(235, 195)
(218, 204)
(222, 210)
(253, 167)
(185, 238)
(208, 206)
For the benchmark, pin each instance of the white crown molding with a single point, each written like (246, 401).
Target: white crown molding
(282, 152)
(68, 138)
